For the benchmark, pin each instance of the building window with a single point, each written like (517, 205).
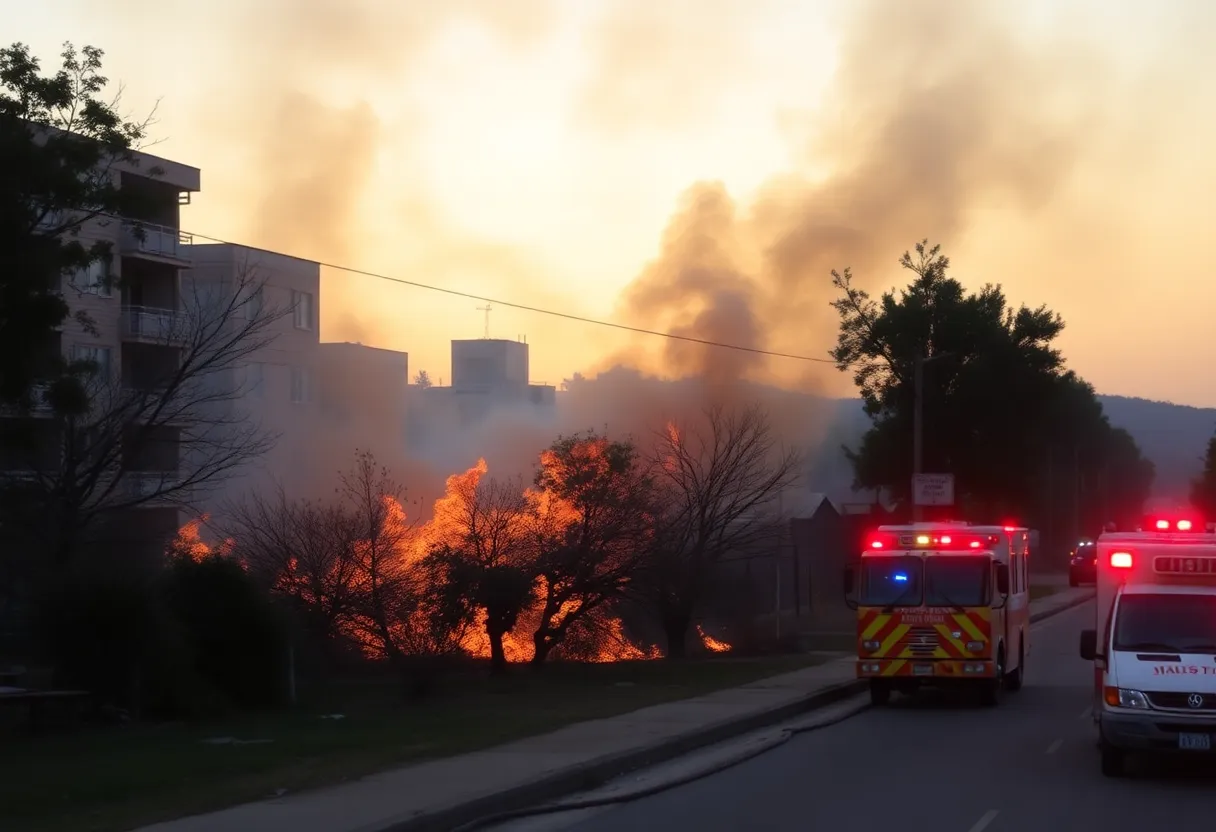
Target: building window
(301, 304)
(301, 385)
(253, 305)
(99, 355)
(255, 379)
(93, 279)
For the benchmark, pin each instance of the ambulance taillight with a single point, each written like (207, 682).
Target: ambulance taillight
(1121, 560)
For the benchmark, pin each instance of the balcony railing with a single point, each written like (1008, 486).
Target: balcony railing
(156, 241)
(153, 324)
(144, 484)
(38, 403)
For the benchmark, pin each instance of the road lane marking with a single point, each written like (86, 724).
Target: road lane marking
(982, 823)
(1087, 713)
(1054, 747)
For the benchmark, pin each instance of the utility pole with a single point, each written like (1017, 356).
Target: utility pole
(918, 421)
(918, 427)
(487, 309)
(1076, 493)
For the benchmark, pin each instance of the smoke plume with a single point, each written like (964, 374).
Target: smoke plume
(940, 116)
(937, 110)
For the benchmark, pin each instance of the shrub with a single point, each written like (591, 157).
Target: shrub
(237, 640)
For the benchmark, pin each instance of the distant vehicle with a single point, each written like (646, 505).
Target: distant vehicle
(1082, 564)
(1154, 641)
(941, 604)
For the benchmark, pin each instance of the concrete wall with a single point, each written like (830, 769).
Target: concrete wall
(364, 403)
(271, 379)
(489, 363)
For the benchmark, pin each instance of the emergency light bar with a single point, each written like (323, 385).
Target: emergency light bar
(936, 540)
(1184, 523)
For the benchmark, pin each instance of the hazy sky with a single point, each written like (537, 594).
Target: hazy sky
(698, 166)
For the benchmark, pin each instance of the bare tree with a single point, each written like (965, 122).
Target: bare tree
(423, 380)
(482, 556)
(166, 431)
(301, 550)
(354, 567)
(381, 549)
(717, 485)
(591, 523)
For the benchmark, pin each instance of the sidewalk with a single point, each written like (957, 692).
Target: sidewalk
(441, 794)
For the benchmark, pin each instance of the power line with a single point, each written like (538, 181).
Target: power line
(526, 308)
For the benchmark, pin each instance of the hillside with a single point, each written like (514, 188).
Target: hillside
(1173, 436)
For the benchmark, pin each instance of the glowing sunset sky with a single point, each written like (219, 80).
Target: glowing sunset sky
(538, 151)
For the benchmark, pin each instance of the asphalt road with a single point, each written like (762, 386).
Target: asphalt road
(936, 764)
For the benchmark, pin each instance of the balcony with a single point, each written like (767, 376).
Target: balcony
(149, 324)
(139, 485)
(156, 242)
(38, 403)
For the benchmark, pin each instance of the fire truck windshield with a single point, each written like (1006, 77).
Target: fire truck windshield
(938, 581)
(1159, 622)
(956, 581)
(891, 581)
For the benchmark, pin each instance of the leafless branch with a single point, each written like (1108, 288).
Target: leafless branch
(719, 484)
(177, 431)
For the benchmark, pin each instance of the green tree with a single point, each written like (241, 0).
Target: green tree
(997, 395)
(483, 562)
(62, 146)
(1203, 488)
(591, 526)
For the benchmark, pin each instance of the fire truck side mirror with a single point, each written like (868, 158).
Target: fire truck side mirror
(1002, 578)
(1089, 645)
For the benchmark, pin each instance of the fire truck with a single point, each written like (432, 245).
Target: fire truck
(1153, 645)
(940, 605)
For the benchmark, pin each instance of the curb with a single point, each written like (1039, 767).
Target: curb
(598, 772)
(1076, 602)
(595, 773)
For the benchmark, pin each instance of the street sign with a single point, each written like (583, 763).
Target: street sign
(933, 489)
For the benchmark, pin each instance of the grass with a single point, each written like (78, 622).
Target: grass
(97, 780)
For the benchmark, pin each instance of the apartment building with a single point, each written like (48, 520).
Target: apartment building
(275, 383)
(363, 400)
(134, 304)
(320, 401)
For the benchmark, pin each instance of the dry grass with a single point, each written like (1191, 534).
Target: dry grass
(100, 780)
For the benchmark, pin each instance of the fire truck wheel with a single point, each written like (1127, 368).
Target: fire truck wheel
(1013, 680)
(880, 693)
(990, 690)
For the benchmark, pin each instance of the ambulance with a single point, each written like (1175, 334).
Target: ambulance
(1154, 642)
(941, 604)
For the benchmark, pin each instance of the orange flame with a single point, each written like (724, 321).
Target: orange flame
(189, 542)
(712, 644)
(403, 545)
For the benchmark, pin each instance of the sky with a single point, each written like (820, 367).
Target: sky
(697, 167)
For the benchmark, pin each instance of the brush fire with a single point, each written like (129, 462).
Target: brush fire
(324, 557)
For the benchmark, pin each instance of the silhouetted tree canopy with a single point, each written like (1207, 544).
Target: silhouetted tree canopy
(62, 145)
(1203, 488)
(1002, 412)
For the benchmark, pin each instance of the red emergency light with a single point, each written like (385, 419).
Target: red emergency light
(932, 539)
(1121, 560)
(1174, 523)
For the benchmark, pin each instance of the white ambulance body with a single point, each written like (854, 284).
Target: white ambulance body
(1154, 641)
